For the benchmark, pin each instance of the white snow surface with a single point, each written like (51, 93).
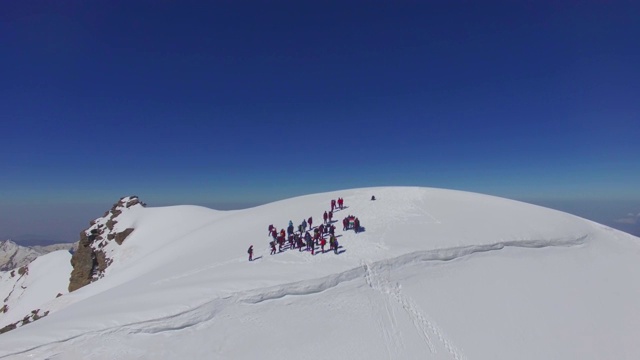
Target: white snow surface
(437, 274)
(45, 278)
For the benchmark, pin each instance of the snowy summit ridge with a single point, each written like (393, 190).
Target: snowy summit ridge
(434, 274)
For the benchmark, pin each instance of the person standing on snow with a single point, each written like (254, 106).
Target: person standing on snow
(273, 247)
(330, 216)
(250, 252)
(333, 204)
(323, 242)
(304, 225)
(308, 240)
(280, 242)
(299, 242)
(356, 225)
(324, 217)
(270, 230)
(335, 246)
(310, 221)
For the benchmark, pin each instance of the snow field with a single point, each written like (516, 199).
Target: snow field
(436, 274)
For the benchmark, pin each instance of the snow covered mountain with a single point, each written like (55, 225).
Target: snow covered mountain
(27, 290)
(27, 286)
(434, 274)
(13, 256)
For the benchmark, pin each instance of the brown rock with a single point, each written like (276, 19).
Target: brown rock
(101, 261)
(134, 201)
(7, 328)
(111, 223)
(83, 264)
(123, 235)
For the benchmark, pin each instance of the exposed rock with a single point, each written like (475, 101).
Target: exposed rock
(37, 316)
(92, 257)
(123, 235)
(134, 201)
(83, 263)
(29, 318)
(8, 328)
(23, 270)
(101, 261)
(110, 224)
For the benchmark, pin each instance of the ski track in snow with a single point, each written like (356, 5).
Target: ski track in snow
(420, 320)
(208, 310)
(390, 333)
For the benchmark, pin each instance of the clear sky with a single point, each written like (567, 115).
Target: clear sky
(234, 103)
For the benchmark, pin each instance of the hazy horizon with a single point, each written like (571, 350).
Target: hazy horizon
(65, 224)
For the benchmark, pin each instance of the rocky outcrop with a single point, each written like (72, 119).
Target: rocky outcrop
(33, 316)
(92, 257)
(83, 262)
(123, 235)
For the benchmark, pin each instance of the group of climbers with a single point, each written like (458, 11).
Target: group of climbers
(327, 217)
(337, 204)
(351, 222)
(303, 238)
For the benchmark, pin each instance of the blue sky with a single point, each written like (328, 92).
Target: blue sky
(234, 103)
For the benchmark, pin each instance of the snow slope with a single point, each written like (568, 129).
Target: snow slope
(437, 274)
(32, 288)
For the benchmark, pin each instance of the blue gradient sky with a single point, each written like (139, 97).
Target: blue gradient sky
(234, 103)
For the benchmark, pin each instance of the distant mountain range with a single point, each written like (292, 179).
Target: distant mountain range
(13, 256)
